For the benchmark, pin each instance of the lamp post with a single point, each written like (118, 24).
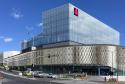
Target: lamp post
(112, 64)
(50, 58)
(117, 65)
(112, 69)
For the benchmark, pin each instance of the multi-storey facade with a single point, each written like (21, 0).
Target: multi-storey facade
(5, 55)
(68, 23)
(92, 56)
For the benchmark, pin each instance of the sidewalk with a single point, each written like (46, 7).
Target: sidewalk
(90, 80)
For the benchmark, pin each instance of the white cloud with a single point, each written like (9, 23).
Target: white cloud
(8, 39)
(40, 24)
(29, 28)
(16, 14)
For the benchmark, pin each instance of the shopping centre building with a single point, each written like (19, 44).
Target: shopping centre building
(72, 41)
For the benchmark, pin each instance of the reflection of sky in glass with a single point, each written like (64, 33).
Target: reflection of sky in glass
(60, 24)
(88, 30)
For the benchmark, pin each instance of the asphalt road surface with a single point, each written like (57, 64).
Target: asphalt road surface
(17, 80)
(9, 79)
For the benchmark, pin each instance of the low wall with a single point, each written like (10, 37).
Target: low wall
(120, 78)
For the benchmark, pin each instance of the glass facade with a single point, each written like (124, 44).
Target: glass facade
(60, 24)
(88, 30)
(56, 24)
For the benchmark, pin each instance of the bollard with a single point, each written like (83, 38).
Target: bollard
(105, 79)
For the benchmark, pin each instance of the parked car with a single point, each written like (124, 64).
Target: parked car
(36, 72)
(52, 75)
(44, 75)
(40, 74)
(27, 73)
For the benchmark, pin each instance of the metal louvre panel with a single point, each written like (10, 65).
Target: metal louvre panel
(58, 56)
(121, 58)
(86, 55)
(107, 55)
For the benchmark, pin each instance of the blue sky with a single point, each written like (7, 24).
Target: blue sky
(17, 17)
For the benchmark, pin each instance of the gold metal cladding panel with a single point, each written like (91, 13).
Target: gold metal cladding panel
(38, 57)
(58, 55)
(86, 55)
(104, 55)
(107, 55)
(121, 58)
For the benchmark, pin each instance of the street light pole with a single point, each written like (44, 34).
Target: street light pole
(117, 66)
(112, 64)
(33, 48)
(49, 56)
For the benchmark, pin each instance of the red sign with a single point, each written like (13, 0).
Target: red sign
(75, 11)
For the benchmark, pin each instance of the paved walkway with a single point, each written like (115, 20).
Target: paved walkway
(90, 80)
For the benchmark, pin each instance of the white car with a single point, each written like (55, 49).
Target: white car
(52, 76)
(44, 75)
(36, 73)
(41, 74)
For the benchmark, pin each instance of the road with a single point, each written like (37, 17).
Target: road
(10, 79)
(17, 80)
